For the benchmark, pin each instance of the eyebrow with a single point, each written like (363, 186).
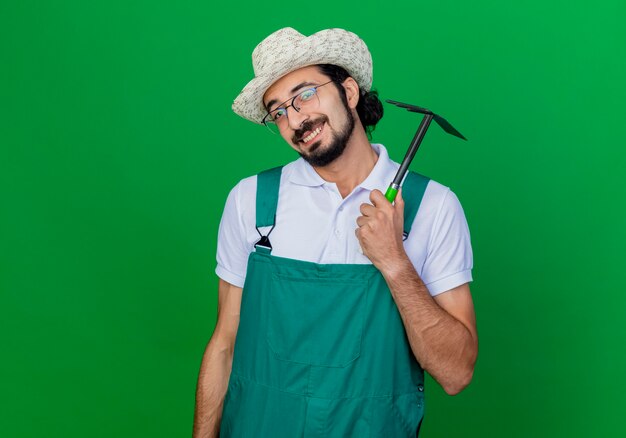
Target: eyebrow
(293, 90)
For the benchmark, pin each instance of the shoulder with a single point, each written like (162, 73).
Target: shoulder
(436, 197)
(442, 198)
(439, 207)
(243, 194)
(439, 243)
(247, 186)
(244, 187)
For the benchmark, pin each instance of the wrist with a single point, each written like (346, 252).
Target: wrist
(396, 265)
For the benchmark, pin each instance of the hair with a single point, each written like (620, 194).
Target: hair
(369, 108)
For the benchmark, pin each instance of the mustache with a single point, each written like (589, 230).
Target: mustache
(307, 126)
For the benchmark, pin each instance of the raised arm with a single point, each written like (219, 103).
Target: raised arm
(441, 330)
(217, 363)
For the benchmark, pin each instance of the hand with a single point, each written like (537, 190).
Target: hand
(380, 230)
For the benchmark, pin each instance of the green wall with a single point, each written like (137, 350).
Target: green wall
(118, 148)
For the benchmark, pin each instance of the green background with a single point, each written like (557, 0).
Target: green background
(118, 149)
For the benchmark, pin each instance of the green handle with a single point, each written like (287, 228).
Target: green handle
(391, 194)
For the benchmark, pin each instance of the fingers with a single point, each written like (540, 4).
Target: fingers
(367, 209)
(380, 202)
(378, 199)
(380, 206)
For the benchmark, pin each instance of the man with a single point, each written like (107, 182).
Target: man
(339, 313)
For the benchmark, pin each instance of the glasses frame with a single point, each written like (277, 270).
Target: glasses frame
(291, 105)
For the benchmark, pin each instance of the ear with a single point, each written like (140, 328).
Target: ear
(352, 92)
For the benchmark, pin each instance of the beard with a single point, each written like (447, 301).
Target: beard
(320, 157)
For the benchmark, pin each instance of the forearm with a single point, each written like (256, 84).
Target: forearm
(212, 385)
(442, 345)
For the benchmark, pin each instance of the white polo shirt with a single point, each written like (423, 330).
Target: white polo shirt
(315, 224)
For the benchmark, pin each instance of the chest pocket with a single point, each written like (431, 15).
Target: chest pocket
(316, 321)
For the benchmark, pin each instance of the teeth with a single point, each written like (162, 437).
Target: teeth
(312, 135)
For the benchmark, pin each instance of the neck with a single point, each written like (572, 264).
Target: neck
(353, 166)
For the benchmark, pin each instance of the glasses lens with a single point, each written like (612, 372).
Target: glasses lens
(306, 99)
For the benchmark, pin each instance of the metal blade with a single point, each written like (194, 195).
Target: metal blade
(445, 125)
(412, 108)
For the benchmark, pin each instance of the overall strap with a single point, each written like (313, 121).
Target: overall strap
(268, 183)
(413, 190)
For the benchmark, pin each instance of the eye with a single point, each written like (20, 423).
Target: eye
(277, 114)
(307, 94)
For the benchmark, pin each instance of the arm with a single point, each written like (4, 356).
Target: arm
(216, 363)
(441, 330)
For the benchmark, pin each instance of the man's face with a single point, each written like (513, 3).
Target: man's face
(319, 135)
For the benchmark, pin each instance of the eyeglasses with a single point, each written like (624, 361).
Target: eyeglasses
(305, 99)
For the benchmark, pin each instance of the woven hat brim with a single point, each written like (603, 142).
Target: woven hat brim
(325, 47)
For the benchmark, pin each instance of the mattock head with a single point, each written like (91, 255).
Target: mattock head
(445, 125)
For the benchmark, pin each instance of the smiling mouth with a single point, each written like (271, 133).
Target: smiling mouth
(313, 134)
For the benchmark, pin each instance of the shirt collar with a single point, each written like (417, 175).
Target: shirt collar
(302, 173)
(383, 171)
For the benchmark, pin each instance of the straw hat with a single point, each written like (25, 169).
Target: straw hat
(287, 50)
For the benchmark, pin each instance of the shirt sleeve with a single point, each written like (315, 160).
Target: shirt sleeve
(449, 258)
(232, 246)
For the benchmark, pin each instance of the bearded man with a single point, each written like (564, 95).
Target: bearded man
(332, 301)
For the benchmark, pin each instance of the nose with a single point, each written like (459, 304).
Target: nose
(296, 118)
